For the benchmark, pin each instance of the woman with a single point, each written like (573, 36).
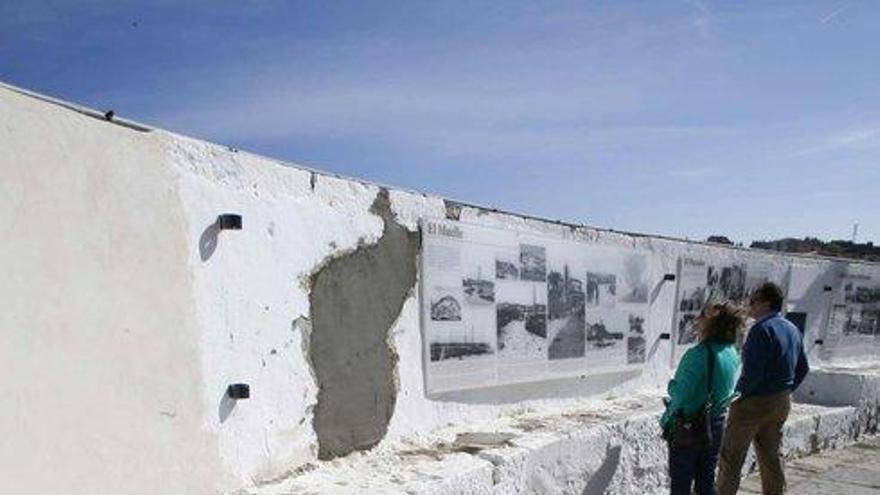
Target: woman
(717, 326)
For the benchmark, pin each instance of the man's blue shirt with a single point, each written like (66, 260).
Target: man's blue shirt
(773, 358)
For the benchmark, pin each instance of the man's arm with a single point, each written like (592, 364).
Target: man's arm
(802, 367)
(753, 360)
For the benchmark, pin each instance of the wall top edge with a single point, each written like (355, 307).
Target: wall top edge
(89, 112)
(140, 127)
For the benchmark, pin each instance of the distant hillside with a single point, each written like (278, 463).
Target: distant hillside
(811, 245)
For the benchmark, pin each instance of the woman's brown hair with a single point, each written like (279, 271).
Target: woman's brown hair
(721, 322)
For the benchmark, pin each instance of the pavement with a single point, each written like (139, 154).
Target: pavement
(854, 470)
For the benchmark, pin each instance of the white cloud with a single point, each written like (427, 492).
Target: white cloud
(830, 16)
(564, 124)
(851, 139)
(702, 18)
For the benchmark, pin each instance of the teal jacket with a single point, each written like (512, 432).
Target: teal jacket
(687, 390)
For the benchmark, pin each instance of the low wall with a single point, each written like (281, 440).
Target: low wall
(606, 447)
(130, 311)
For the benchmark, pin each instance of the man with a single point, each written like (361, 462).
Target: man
(773, 365)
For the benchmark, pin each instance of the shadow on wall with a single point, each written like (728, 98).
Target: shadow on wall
(545, 389)
(208, 240)
(600, 481)
(226, 406)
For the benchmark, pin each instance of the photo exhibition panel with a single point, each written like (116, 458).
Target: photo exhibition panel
(502, 307)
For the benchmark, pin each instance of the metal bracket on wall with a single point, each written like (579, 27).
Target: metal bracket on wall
(229, 221)
(238, 391)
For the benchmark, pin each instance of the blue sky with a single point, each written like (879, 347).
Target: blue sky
(683, 118)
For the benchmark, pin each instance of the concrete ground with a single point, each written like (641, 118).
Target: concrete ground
(854, 470)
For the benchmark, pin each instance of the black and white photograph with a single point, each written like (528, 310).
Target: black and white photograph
(635, 279)
(635, 350)
(861, 321)
(869, 323)
(604, 332)
(692, 299)
(469, 340)
(477, 289)
(565, 303)
(460, 331)
(636, 324)
(466, 346)
(601, 290)
(852, 321)
(445, 305)
(859, 303)
(727, 283)
(533, 263)
(687, 333)
(635, 341)
(521, 320)
(693, 293)
(856, 294)
(506, 266)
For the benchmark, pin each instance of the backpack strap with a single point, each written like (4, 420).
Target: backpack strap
(710, 365)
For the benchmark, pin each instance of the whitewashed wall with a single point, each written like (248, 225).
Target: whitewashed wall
(126, 314)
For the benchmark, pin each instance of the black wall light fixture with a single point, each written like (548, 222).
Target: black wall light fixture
(229, 221)
(818, 341)
(238, 391)
(665, 336)
(669, 277)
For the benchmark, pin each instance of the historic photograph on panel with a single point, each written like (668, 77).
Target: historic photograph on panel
(601, 289)
(855, 294)
(521, 319)
(477, 289)
(460, 331)
(861, 299)
(506, 266)
(635, 341)
(446, 304)
(459, 341)
(533, 263)
(693, 278)
(727, 283)
(692, 299)
(462, 341)
(636, 279)
(605, 331)
(687, 333)
(565, 303)
(862, 320)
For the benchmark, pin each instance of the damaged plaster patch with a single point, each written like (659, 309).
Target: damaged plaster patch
(355, 300)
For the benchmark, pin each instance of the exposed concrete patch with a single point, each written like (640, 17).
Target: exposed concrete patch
(355, 300)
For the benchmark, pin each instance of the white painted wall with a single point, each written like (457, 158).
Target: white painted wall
(121, 330)
(99, 344)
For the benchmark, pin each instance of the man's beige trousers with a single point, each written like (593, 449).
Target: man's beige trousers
(760, 419)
